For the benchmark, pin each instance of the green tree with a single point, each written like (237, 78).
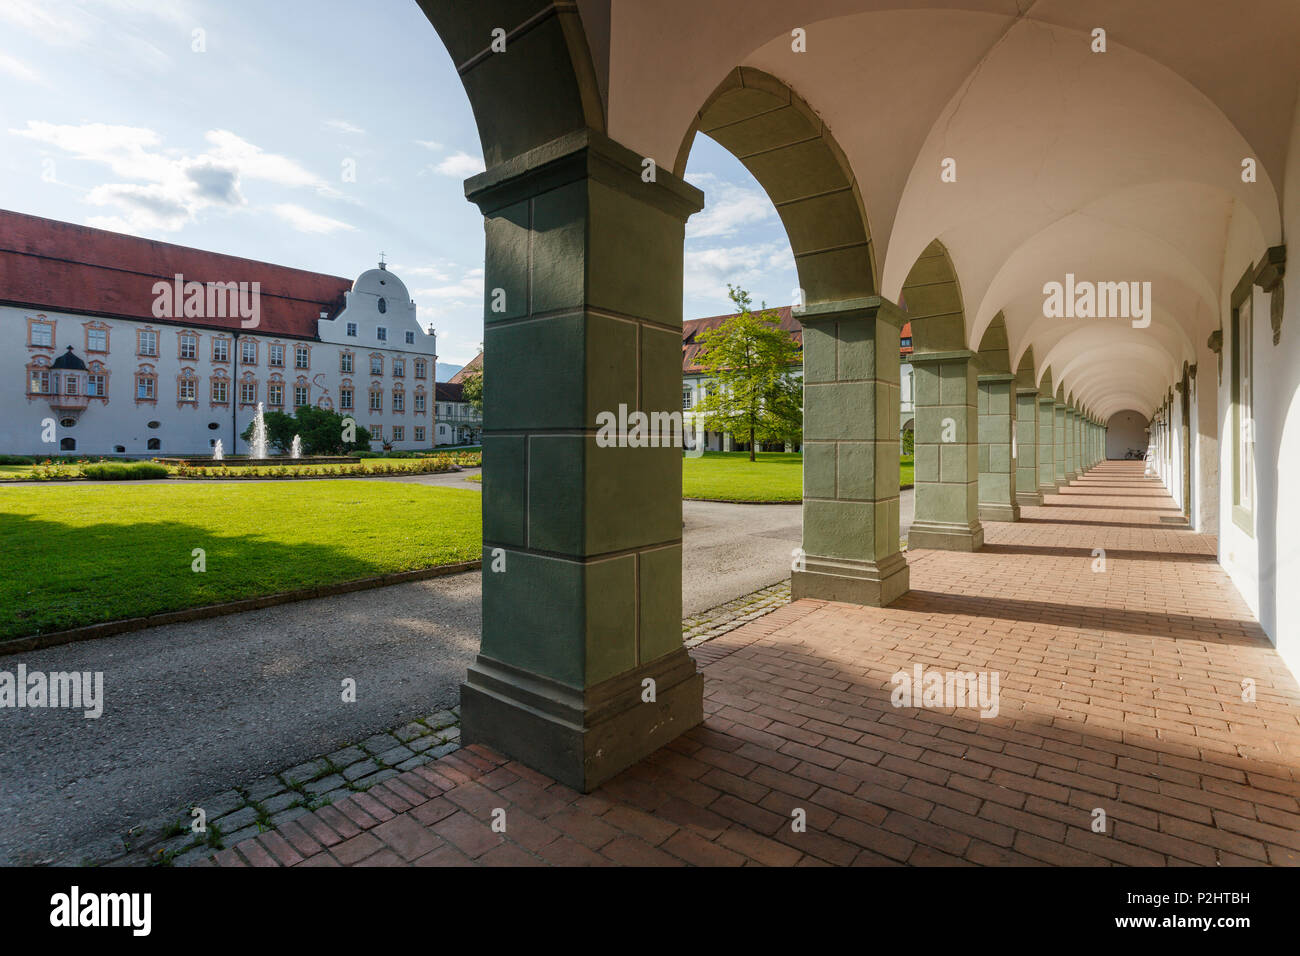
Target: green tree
(321, 431)
(750, 356)
(472, 391)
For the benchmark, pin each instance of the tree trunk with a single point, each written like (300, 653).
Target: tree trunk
(751, 443)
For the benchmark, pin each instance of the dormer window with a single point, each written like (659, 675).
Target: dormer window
(410, 338)
(381, 333)
(352, 330)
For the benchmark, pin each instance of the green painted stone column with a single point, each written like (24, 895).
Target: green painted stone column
(1071, 443)
(850, 454)
(997, 466)
(1046, 445)
(581, 671)
(946, 464)
(1059, 438)
(1027, 451)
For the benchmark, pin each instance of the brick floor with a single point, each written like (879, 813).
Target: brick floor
(1120, 691)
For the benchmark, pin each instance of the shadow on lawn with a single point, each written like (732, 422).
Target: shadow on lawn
(53, 576)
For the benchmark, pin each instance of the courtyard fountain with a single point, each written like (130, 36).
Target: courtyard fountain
(257, 446)
(295, 450)
(217, 453)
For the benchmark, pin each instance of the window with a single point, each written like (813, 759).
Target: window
(69, 385)
(301, 396)
(345, 363)
(40, 382)
(275, 394)
(41, 334)
(301, 357)
(383, 305)
(185, 389)
(381, 333)
(1243, 417)
(220, 391)
(399, 400)
(148, 341)
(419, 401)
(276, 356)
(687, 398)
(376, 365)
(419, 433)
(154, 444)
(144, 388)
(248, 352)
(352, 330)
(97, 340)
(345, 398)
(68, 444)
(410, 338)
(248, 393)
(421, 368)
(376, 400)
(95, 385)
(189, 345)
(221, 350)
(376, 431)
(399, 368)
(399, 432)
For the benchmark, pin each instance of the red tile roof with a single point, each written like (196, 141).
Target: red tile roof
(59, 266)
(475, 367)
(691, 329)
(448, 392)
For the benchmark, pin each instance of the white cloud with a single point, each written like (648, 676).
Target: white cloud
(19, 70)
(342, 126)
(429, 144)
(467, 290)
(306, 221)
(167, 188)
(728, 207)
(765, 269)
(460, 165)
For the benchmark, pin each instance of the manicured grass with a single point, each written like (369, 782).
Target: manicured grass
(730, 476)
(75, 554)
(906, 471)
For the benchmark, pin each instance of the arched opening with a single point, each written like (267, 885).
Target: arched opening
(67, 444)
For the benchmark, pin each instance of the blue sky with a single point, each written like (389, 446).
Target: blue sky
(307, 133)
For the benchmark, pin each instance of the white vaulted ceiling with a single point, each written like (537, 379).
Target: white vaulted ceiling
(1115, 166)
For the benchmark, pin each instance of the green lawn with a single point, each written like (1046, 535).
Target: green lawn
(74, 554)
(731, 476)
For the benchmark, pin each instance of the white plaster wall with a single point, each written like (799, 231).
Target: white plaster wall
(1125, 430)
(183, 429)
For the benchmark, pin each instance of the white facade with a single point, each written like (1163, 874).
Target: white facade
(163, 387)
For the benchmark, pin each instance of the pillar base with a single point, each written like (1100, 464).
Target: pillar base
(999, 512)
(870, 583)
(580, 737)
(941, 536)
(1031, 499)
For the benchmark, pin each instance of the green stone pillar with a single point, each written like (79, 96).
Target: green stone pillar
(947, 466)
(1059, 438)
(1071, 444)
(1046, 445)
(1027, 452)
(997, 466)
(850, 454)
(581, 671)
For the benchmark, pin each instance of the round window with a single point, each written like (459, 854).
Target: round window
(213, 426)
(155, 424)
(68, 422)
(383, 305)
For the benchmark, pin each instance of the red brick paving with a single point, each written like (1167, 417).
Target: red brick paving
(1120, 691)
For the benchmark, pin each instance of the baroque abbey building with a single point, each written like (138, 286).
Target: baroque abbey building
(115, 345)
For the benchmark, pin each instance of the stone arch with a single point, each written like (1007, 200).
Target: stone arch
(543, 86)
(784, 144)
(932, 298)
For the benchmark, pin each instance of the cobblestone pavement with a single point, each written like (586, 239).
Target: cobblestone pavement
(270, 802)
(1121, 702)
